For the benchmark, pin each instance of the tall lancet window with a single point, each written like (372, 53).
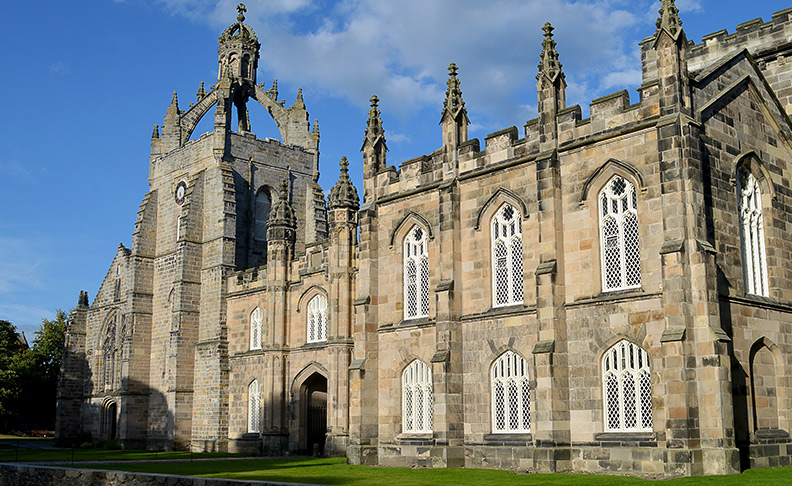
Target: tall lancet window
(416, 274)
(752, 234)
(511, 395)
(507, 257)
(254, 407)
(627, 389)
(417, 398)
(317, 319)
(620, 249)
(255, 328)
(109, 352)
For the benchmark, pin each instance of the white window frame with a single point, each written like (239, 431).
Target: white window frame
(254, 407)
(317, 319)
(620, 254)
(752, 234)
(510, 395)
(626, 388)
(256, 319)
(416, 274)
(417, 398)
(507, 257)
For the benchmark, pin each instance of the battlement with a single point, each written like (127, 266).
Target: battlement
(761, 39)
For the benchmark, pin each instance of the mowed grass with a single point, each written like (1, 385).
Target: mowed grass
(335, 471)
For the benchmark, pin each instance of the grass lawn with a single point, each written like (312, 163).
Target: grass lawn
(335, 471)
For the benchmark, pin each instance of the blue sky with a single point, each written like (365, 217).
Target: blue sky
(86, 81)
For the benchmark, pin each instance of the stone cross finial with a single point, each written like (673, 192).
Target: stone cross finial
(241, 9)
(549, 64)
(669, 18)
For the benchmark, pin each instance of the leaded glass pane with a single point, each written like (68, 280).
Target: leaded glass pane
(507, 264)
(619, 238)
(510, 394)
(627, 389)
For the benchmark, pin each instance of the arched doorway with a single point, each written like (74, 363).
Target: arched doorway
(315, 403)
(109, 420)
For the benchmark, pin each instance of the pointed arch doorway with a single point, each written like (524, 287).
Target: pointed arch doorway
(315, 413)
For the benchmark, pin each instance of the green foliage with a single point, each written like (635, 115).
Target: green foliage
(29, 377)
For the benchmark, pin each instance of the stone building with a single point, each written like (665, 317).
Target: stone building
(609, 294)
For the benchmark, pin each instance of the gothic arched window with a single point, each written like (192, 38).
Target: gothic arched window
(317, 319)
(619, 245)
(254, 407)
(507, 257)
(511, 394)
(752, 234)
(416, 274)
(417, 398)
(627, 389)
(255, 328)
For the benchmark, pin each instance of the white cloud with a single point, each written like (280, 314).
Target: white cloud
(20, 265)
(399, 50)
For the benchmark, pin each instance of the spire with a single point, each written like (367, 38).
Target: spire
(549, 64)
(174, 102)
(201, 93)
(155, 133)
(315, 131)
(344, 194)
(282, 213)
(374, 131)
(669, 20)
(299, 103)
(454, 105)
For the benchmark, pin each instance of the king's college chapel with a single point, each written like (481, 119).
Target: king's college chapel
(601, 294)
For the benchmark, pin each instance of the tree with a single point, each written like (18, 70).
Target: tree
(29, 377)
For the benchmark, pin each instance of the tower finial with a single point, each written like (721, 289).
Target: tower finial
(454, 104)
(374, 130)
(669, 19)
(241, 9)
(344, 194)
(549, 64)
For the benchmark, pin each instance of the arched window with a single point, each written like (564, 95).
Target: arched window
(417, 398)
(620, 253)
(255, 329)
(263, 206)
(317, 319)
(511, 395)
(627, 389)
(254, 407)
(752, 234)
(507, 257)
(416, 274)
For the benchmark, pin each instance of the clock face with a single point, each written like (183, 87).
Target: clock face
(181, 189)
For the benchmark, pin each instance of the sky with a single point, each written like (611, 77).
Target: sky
(86, 81)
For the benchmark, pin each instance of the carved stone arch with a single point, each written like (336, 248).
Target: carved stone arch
(109, 319)
(406, 223)
(605, 171)
(196, 113)
(605, 346)
(309, 294)
(304, 374)
(767, 392)
(494, 202)
(751, 162)
(496, 351)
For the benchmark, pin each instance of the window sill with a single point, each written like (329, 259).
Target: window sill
(772, 435)
(633, 437)
(314, 345)
(510, 310)
(414, 438)
(521, 440)
(407, 323)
